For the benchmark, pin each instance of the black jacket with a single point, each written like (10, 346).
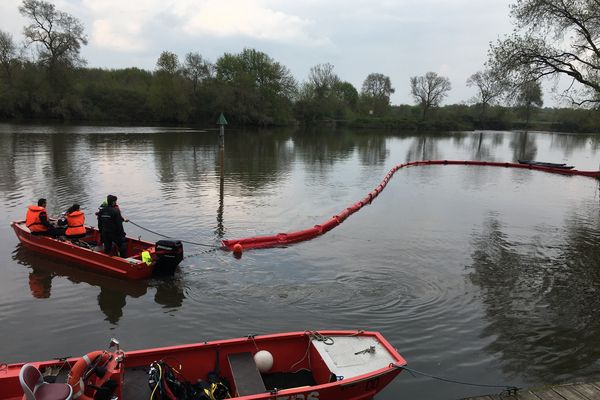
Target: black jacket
(111, 221)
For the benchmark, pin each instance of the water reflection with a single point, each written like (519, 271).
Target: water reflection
(541, 298)
(220, 229)
(114, 292)
(423, 148)
(524, 146)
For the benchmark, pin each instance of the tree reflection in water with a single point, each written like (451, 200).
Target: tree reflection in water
(541, 298)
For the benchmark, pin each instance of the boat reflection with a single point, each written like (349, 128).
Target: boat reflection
(114, 292)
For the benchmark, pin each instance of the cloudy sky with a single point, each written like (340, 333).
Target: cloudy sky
(399, 38)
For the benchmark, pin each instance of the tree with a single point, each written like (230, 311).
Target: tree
(255, 88)
(377, 85)
(322, 79)
(196, 68)
(429, 91)
(8, 52)
(324, 96)
(167, 62)
(528, 97)
(489, 89)
(59, 36)
(553, 38)
(376, 92)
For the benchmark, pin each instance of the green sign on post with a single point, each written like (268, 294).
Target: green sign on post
(221, 121)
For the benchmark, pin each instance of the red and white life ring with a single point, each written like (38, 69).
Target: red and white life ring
(78, 371)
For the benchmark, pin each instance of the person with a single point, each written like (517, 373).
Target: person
(110, 222)
(37, 219)
(75, 223)
(100, 208)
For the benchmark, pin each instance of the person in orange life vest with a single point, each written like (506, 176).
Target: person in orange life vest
(75, 222)
(37, 219)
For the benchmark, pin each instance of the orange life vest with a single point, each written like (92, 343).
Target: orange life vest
(75, 224)
(33, 221)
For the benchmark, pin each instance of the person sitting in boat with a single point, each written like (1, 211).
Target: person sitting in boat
(75, 222)
(111, 223)
(37, 219)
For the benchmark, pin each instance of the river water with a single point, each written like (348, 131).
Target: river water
(480, 274)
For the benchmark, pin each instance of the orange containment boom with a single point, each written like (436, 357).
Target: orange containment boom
(282, 239)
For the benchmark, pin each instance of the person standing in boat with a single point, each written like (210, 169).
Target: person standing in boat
(110, 223)
(37, 219)
(75, 222)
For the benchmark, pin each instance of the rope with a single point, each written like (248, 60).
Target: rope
(169, 237)
(312, 335)
(509, 389)
(200, 253)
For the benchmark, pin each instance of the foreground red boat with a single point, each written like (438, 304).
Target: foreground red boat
(164, 255)
(324, 365)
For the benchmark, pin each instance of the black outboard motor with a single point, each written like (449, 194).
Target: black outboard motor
(169, 254)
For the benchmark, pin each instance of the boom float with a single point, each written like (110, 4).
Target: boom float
(282, 239)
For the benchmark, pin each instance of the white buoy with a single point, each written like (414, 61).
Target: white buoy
(263, 360)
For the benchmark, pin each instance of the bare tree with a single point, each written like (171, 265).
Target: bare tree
(429, 90)
(553, 38)
(196, 68)
(8, 53)
(489, 89)
(58, 34)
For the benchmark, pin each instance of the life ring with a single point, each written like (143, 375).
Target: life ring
(76, 376)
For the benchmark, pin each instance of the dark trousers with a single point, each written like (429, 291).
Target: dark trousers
(108, 238)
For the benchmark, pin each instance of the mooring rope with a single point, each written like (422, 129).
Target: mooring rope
(169, 237)
(508, 388)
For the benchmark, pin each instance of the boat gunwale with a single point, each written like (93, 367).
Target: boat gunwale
(100, 262)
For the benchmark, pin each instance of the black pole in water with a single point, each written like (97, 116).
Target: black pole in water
(222, 122)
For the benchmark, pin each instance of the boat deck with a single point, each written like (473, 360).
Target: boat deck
(350, 356)
(571, 391)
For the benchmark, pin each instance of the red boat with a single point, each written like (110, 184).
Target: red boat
(324, 365)
(165, 255)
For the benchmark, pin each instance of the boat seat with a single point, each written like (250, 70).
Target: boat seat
(246, 376)
(34, 387)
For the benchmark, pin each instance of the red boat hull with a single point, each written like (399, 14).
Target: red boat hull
(291, 351)
(93, 259)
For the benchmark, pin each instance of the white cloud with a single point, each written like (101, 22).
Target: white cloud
(108, 34)
(122, 26)
(253, 19)
(127, 26)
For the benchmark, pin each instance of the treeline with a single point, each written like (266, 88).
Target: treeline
(135, 95)
(252, 88)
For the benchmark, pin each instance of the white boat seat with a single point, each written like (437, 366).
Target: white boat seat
(34, 387)
(246, 376)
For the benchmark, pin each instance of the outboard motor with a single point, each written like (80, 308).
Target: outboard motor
(169, 254)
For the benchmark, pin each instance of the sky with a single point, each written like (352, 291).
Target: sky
(398, 38)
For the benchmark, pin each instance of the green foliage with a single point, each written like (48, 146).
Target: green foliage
(325, 97)
(254, 89)
(375, 95)
(167, 63)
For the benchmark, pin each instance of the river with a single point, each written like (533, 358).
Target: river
(480, 274)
